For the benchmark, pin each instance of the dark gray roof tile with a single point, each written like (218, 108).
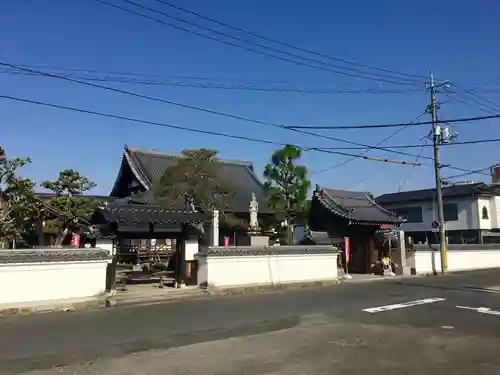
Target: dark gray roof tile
(137, 213)
(268, 250)
(149, 165)
(355, 206)
(321, 238)
(42, 255)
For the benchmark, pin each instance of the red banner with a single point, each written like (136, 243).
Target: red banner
(347, 242)
(75, 240)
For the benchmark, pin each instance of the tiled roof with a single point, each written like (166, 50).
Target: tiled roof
(140, 213)
(101, 198)
(427, 194)
(356, 206)
(145, 197)
(267, 250)
(149, 165)
(322, 238)
(42, 255)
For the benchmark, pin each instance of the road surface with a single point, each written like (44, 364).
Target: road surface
(441, 325)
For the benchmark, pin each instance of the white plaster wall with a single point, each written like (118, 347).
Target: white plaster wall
(484, 202)
(495, 212)
(106, 244)
(458, 260)
(43, 282)
(467, 214)
(191, 248)
(227, 271)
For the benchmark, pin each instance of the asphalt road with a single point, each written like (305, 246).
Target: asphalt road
(403, 326)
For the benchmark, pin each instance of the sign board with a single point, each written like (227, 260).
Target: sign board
(435, 224)
(347, 242)
(385, 227)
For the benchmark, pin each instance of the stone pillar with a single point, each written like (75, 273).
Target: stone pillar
(215, 228)
(109, 245)
(191, 248)
(181, 261)
(400, 257)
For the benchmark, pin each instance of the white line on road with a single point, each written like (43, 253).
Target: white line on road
(482, 310)
(373, 310)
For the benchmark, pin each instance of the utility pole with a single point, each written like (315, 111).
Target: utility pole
(436, 139)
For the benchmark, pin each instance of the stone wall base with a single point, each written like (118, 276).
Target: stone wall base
(236, 290)
(52, 306)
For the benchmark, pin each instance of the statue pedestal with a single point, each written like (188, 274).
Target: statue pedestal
(257, 239)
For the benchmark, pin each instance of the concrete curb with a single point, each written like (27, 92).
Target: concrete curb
(120, 301)
(483, 290)
(239, 290)
(55, 306)
(377, 279)
(461, 272)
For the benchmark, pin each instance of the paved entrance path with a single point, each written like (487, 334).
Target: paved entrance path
(403, 327)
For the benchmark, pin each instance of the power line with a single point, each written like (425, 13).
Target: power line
(142, 96)
(377, 144)
(260, 36)
(496, 105)
(280, 126)
(478, 141)
(477, 171)
(465, 102)
(194, 130)
(400, 82)
(241, 118)
(379, 126)
(402, 186)
(481, 106)
(211, 82)
(221, 86)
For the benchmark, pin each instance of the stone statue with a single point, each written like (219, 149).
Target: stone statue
(254, 209)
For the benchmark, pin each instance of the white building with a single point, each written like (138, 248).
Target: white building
(471, 213)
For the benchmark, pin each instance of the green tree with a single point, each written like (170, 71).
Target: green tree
(194, 182)
(287, 186)
(18, 205)
(72, 209)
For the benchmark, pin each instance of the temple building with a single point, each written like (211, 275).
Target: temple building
(339, 214)
(140, 168)
(147, 231)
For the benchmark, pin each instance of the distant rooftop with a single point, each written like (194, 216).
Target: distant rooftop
(457, 190)
(149, 165)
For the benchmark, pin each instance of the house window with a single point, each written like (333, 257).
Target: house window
(450, 211)
(411, 214)
(485, 213)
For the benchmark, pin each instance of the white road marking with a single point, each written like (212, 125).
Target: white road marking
(482, 310)
(373, 310)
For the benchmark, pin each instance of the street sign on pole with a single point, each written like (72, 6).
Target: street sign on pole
(435, 224)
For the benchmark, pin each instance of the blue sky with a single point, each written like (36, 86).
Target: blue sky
(454, 39)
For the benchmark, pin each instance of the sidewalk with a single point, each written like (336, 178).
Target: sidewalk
(149, 293)
(360, 278)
